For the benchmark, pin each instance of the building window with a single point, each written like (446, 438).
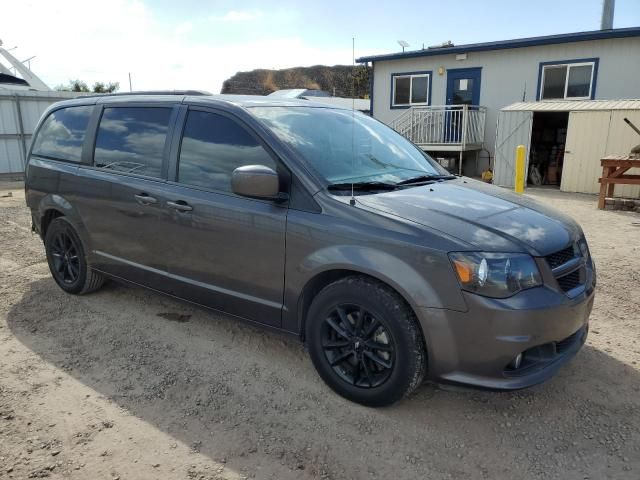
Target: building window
(410, 89)
(570, 81)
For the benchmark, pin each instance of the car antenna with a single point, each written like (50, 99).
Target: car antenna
(352, 202)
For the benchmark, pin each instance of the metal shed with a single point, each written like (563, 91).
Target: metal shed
(20, 111)
(595, 128)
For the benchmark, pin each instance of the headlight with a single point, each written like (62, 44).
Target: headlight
(497, 275)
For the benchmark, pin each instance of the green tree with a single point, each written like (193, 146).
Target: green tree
(80, 86)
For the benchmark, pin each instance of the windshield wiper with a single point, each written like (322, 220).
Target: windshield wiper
(362, 186)
(425, 179)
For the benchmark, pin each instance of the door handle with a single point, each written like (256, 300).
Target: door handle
(145, 199)
(180, 205)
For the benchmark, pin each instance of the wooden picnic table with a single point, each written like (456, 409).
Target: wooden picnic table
(613, 173)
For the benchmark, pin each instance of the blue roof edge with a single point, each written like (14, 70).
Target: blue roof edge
(506, 44)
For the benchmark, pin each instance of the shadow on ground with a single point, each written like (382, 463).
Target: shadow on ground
(251, 397)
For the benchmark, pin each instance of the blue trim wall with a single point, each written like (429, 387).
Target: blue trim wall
(595, 61)
(402, 74)
(517, 43)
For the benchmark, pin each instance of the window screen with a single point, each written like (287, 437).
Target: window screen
(213, 146)
(62, 134)
(132, 139)
(419, 89)
(579, 81)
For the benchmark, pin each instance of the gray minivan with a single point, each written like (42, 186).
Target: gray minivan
(315, 221)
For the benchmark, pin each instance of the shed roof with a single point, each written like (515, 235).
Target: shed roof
(514, 43)
(573, 105)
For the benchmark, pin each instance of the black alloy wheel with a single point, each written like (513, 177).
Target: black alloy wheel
(358, 346)
(66, 261)
(365, 341)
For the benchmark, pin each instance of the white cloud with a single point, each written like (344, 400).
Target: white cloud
(183, 28)
(70, 43)
(239, 16)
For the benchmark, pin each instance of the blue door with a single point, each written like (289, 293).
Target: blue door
(463, 88)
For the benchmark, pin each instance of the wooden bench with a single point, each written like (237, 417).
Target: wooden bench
(613, 173)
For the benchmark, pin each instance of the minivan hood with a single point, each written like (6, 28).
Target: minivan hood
(484, 216)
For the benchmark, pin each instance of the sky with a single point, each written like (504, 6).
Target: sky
(190, 44)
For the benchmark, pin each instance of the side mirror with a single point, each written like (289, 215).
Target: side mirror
(257, 181)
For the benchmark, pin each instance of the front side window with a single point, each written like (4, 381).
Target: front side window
(132, 139)
(567, 81)
(411, 89)
(344, 146)
(62, 134)
(213, 146)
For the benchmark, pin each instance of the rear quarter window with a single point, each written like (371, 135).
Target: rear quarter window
(62, 134)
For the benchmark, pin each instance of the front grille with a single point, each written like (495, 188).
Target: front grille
(559, 258)
(573, 279)
(569, 281)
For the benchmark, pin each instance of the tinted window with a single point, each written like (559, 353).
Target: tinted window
(62, 134)
(213, 146)
(131, 139)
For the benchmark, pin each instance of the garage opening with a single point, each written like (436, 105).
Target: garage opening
(546, 154)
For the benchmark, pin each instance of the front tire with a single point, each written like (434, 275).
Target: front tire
(67, 260)
(365, 342)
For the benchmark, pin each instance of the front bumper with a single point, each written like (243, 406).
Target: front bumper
(475, 347)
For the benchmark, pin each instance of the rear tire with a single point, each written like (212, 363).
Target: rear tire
(365, 342)
(67, 260)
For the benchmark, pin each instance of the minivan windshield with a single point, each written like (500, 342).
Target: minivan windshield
(345, 146)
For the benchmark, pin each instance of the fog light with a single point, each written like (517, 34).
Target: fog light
(515, 363)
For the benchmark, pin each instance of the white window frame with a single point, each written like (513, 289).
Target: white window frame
(566, 80)
(410, 77)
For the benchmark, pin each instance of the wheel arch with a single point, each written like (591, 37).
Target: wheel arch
(326, 277)
(55, 206)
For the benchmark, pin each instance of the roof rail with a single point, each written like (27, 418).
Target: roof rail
(151, 92)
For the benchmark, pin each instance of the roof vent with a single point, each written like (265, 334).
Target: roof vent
(447, 44)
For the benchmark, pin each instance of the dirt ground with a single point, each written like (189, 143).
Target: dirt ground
(127, 384)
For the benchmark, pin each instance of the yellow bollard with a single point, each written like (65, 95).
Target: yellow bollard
(519, 188)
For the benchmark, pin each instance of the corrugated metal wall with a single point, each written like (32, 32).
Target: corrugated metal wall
(14, 142)
(591, 136)
(514, 128)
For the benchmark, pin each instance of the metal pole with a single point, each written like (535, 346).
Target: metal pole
(519, 183)
(130, 82)
(23, 140)
(608, 6)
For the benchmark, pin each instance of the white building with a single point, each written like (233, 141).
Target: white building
(447, 99)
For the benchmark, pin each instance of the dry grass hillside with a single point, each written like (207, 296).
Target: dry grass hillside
(339, 77)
